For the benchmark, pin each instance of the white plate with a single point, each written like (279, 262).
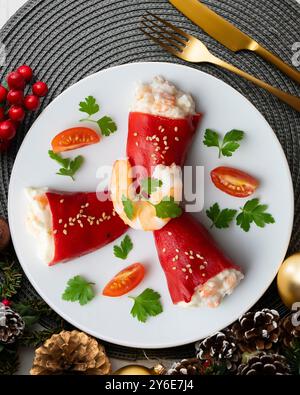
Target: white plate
(259, 252)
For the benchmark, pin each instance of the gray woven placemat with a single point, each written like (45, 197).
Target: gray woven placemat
(66, 40)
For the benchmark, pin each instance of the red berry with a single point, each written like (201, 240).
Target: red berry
(31, 102)
(16, 113)
(26, 72)
(40, 88)
(16, 80)
(6, 302)
(3, 93)
(2, 113)
(7, 130)
(15, 97)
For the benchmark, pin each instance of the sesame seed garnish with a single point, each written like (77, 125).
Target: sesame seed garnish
(153, 155)
(87, 204)
(135, 134)
(97, 222)
(160, 127)
(164, 152)
(162, 130)
(136, 143)
(186, 277)
(174, 267)
(176, 129)
(166, 148)
(186, 253)
(162, 157)
(176, 257)
(165, 143)
(177, 250)
(100, 219)
(170, 233)
(165, 138)
(60, 221)
(173, 259)
(188, 265)
(65, 225)
(61, 201)
(183, 269)
(191, 252)
(190, 271)
(65, 232)
(71, 224)
(114, 213)
(199, 256)
(54, 232)
(157, 139)
(104, 214)
(81, 225)
(191, 257)
(154, 136)
(202, 267)
(157, 149)
(108, 217)
(203, 274)
(155, 144)
(70, 219)
(176, 138)
(164, 250)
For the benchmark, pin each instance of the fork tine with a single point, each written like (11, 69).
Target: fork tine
(163, 45)
(162, 28)
(158, 32)
(171, 26)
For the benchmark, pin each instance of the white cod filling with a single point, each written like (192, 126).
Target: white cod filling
(215, 289)
(39, 224)
(161, 97)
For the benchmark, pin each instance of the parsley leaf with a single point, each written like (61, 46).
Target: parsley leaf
(220, 218)
(123, 250)
(146, 304)
(69, 166)
(211, 138)
(150, 185)
(228, 145)
(107, 125)
(78, 289)
(128, 207)
(254, 212)
(168, 208)
(89, 106)
(59, 159)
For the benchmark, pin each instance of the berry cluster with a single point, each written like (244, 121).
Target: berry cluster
(13, 102)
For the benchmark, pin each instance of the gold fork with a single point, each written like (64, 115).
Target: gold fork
(189, 48)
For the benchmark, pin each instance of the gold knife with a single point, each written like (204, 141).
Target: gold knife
(229, 35)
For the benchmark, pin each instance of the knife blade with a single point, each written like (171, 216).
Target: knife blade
(227, 34)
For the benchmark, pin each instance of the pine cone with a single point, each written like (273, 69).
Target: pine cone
(256, 331)
(289, 332)
(191, 366)
(11, 325)
(70, 353)
(220, 349)
(263, 364)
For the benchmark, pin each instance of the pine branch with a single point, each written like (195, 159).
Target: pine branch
(10, 280)
(37, 338)
(293, 356)
(9, 361)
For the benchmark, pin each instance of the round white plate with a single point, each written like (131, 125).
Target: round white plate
(259, 252)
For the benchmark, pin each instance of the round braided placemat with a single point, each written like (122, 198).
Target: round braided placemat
(66, 40)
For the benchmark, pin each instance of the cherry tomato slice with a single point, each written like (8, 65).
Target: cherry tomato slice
(125, 280)
(234, 182)
(74, 138)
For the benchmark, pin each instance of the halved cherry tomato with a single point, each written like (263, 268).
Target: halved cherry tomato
(234, 182)
(74, 138)
(125, 280)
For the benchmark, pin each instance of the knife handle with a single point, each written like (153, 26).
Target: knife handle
(276, 61)
(289, 99)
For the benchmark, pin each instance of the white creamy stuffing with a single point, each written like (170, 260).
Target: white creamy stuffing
(161, 97)
(39, 223)
(215, 289)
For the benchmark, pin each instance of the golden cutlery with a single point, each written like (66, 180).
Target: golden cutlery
(229, 35)
(189, 48)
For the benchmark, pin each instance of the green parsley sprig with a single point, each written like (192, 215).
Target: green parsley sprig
(146, 304)
(251, 212)
(123, 250)
(220, 218)
(228, 145)
(78, 290)
(150, 185)
(69, 166)
(254, 212)
(90, 107)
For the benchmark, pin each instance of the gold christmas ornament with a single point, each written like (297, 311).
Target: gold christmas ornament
(70, 353)
(288, 280)
(136, 370)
